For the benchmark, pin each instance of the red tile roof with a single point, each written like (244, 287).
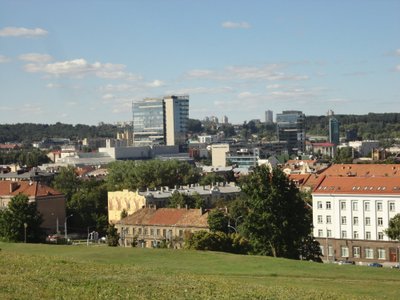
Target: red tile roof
(359, 185)
(364, 170)
(31, 189)
(167, 217)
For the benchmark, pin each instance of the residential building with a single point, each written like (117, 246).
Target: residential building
(49, 202)
(324, 149)
(350, 215)
(153, 226)
(219, 154)
(269, 115)
(291, 128)
(131, 201)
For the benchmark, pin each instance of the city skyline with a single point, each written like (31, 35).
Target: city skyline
(85, 62)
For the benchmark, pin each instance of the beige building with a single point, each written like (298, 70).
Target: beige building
(151, 226)
(131, 202)
(219, 154)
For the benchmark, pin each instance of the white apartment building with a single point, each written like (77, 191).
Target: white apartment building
(350, 215)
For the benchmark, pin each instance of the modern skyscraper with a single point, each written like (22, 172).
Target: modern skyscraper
(334, 134)
(269, 117)
(160, 121)
(291, 128)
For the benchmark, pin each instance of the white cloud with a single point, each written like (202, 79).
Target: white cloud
(235, 25)
(201, 90)
(80, 67)
(273, 86)
(244, 95)
(156, 83)
(22, 32)
(4, 59)
(53, 85)
(35, 57)
(200, 73)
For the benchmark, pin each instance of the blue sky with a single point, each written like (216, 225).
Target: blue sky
(86, 61)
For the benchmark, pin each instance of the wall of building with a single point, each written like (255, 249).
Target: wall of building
(219, 154)
(125, 199)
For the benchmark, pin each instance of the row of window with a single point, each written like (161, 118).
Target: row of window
(367, 220)
(152, 232)
(368, 252)
(343, 234)
(354, 205)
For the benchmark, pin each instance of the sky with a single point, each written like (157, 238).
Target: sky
(84, 62)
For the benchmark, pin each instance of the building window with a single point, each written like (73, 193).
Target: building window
(180, 233)
(328, 205)
(152, 232)
(380, 221)
(356, 252)
(140, 230)
(381, 253)
(343, 205)
(368, 235)
(354, 205)
(355, 221)
(355, 235)
(367, 221)
(164, 232)
(133, 230)
(344, 234)
(322, 250)
(392, 206)
(146, 231)
(329, 233)
(328, 219)
(344, 251)
(319, 204)
(380, 235)
(320, 233)
(319, 219)
(330, 251)
(158, 232)
(379, 206)
(369, 253)
(367, 206)
(344, 220)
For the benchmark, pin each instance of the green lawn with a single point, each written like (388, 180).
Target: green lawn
(32, 271)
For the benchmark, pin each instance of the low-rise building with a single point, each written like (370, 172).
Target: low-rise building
(151, 226)
(350, 215)
(132, 201)
(49, 202)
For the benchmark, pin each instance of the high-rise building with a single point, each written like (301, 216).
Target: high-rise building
(160, 120)
(225, 120)
(291, 129)
(269, 117)
(334, 134)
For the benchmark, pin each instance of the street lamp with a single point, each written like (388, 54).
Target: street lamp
(25, 226)
(236, 220)
(65, 226)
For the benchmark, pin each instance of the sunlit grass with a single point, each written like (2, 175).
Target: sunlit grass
(80, 272)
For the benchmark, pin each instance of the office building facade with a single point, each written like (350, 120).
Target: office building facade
(269, 115)
(334, 133)
(160, 121)
(291, 129)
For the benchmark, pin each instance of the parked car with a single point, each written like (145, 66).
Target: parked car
(346, 262)
(375, 264)
(396, 266)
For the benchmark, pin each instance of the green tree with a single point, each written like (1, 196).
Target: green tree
(218, 221)
(13, 219)
(112, 236)
(278, 220)
(344, 156)
(179, 200)
(66, 182)
(393, 231)
(311, 250)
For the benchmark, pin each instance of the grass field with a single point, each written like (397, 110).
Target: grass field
(33, 271)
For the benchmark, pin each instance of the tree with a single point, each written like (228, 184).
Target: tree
(393, 231)
(311, 250)
(66, 182)
(344, 156)
(278, 220)
(218, 221)
(13, 219)
(112, 236)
